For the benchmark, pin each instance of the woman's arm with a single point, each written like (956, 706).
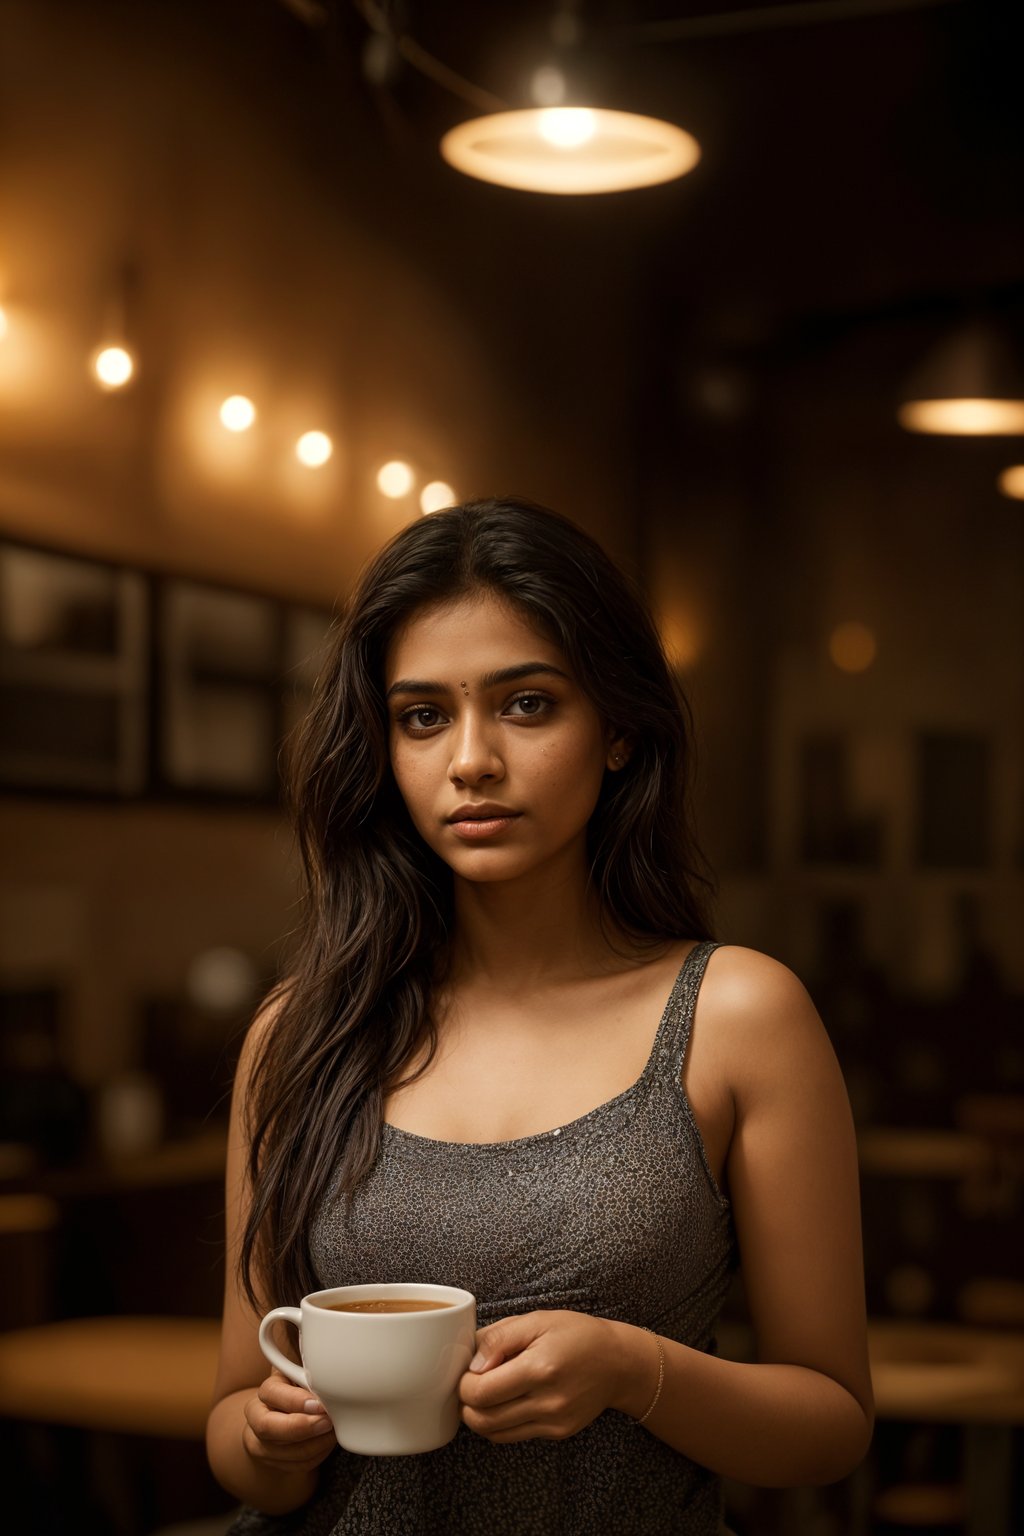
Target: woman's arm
(263, 1445)
(804, 1413)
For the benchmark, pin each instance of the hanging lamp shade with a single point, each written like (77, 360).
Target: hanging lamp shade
(969, 386)
(570, 151)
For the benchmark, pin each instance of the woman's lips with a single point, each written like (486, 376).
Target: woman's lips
(474, 830)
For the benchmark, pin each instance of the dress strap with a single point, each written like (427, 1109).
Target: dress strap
(680, 1008)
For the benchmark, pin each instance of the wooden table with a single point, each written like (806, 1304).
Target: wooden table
(133, 1375)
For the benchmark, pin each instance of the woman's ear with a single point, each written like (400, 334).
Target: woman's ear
(620, 749)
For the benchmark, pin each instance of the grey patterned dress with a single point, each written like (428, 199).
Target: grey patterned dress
(616, 1214)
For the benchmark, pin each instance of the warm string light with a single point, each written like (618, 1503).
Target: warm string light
(395, 479)
(435, 495)
(113, 367)
(238, 413)
(313, 449)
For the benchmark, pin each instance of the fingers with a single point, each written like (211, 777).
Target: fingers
(507, 1430)
(502, 1341)
(279, 1429)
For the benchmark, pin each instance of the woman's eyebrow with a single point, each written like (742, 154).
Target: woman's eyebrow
(489, 680)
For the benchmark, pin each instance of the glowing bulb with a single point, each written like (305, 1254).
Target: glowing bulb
(1011, 482)
(113, 367)
(566, 127)
(852, 646)
(395, 479)
(435, 496)
(964, 418)
(314, 449)
(3, 323)
(238, 413)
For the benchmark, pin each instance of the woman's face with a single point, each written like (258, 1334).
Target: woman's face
(533, 745)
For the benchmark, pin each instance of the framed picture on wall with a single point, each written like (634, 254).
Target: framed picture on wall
(73, 673)
(219, 665)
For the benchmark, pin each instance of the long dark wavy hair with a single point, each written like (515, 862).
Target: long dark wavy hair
(373, 946)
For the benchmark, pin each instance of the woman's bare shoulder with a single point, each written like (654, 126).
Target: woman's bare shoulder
(762, 1015)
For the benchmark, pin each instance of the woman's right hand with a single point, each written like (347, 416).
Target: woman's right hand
(286, 1427)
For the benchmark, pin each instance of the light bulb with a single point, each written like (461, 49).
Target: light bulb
(313, 449)
(567, 127)
(435, 496)
(238, 413)
(3, 323)
(113, 367)
(395, 479)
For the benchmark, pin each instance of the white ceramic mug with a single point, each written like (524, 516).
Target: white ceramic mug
(388, 1379)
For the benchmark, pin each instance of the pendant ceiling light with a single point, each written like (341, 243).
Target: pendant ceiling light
(570, 150)
(970, 386)
(567, 142)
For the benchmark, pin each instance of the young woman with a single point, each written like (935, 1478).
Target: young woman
(509, 1057)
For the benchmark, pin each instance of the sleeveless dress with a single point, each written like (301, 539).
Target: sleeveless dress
(617, 1214)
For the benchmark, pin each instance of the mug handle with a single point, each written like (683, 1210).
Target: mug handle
(287, 1367)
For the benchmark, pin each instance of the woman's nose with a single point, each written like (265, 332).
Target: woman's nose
(474, 750)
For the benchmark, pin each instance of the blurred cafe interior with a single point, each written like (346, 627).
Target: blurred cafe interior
(252, 322)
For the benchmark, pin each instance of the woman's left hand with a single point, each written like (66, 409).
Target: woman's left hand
(542, 1375)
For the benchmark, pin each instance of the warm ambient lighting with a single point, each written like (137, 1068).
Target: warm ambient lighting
(852, 646)
(3, 323)
(113, 367)
(394, 479)
(567, 127)
(970, 385)
(313, 449)
(435, 496)
(238, 413)
(570, 150)
(1011, 482)
(964, 418)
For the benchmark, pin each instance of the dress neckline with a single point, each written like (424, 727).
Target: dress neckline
(580, 1121)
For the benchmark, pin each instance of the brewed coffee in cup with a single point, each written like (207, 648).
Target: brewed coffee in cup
(385, 1361)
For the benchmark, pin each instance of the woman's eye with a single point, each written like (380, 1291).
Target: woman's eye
(533, 699)
(412, 717)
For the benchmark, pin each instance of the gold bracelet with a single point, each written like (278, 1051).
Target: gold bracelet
(661, 1373)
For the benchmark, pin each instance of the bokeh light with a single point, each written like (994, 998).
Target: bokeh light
(1011, 482)
(313, 449)
(964, 418)
(113, 367)
(852, 646)
(436, 495)
(395, 478)
(238, 413)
